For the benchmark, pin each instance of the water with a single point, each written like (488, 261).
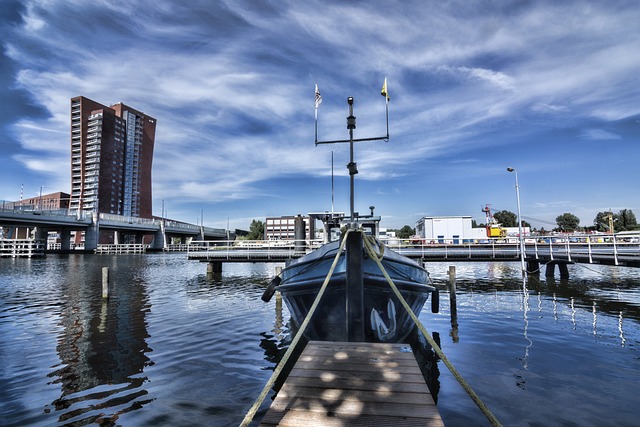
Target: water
(173, 347)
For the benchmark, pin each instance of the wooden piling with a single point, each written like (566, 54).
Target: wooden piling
(452, 296)
(105, 282)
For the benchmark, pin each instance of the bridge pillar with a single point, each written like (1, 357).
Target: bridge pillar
(562, 266)
(65, 239)
(564, 270)
(533, 266)
(92, 234)
(117, 237)
(159, 239)
(214, 267)
(550, 270)
(40, 233)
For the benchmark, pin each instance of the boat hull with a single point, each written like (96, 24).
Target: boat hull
(385, 319)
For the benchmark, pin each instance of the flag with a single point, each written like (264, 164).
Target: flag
(318, 97)
(384, 91)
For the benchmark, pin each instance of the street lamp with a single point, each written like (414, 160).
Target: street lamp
(519, 223)
(40, 199)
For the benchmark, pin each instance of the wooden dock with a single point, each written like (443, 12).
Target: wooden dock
(354, 384)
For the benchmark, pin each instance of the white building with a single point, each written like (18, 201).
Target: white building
(284, 228)
(452, 229)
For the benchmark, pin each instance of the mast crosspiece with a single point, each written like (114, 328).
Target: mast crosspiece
(352, 166)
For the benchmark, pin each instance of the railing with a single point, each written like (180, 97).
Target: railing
(133, 248)
(622, 248)
(235, 250)
(21, 248)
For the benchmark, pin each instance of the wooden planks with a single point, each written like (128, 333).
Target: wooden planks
(354, 384)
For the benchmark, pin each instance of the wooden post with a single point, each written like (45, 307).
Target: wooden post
(105, 282)
(452, 296)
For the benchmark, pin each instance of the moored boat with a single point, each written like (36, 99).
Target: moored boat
(358, 302)
(379, 318)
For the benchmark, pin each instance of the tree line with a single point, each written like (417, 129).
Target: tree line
(624, 220)
(606, 222)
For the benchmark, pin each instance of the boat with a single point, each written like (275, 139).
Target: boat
(379, 317)
(358, 303)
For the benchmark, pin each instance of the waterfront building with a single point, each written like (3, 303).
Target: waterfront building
(57, 201)
(441, 228)
(111, 158)
(283, 228)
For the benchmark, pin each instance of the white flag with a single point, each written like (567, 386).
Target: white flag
(318, 97)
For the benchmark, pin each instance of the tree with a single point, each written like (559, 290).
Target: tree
(626, 220)
(405, 232)
(622, 221)
(256, 230)
(506, 218)
(568, 222)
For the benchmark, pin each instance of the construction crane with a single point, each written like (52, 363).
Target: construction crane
(494, 229)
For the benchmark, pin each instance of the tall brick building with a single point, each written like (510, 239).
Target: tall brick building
(111, 158)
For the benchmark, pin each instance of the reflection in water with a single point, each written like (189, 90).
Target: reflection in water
(102, 347)
(525, 311)
(213, 342)
(620, 329)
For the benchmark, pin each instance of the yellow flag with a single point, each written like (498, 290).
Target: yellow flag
(384, 91)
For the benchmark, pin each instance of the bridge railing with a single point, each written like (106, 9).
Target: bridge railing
(592, 248)
(30, 209)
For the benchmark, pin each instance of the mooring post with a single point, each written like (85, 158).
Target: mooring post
(105, 282)
(452, 296)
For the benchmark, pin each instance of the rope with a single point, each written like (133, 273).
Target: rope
(276, 373)
(483, 408)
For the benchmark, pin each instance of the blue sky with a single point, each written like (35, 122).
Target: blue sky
(549, 88)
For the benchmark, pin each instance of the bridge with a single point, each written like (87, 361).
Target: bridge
(40, 222)
(607, 249)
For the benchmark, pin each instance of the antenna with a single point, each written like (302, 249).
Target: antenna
(351, 125)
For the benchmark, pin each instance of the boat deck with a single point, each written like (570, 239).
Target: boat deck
(354, 384)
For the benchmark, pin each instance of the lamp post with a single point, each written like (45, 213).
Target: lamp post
(522, 266)
(40, 199)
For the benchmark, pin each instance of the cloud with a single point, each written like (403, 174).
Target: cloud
(231, 83)
(599, 135)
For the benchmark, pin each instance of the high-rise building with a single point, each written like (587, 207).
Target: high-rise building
(111, 158)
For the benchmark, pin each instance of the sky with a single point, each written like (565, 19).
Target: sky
(549, 88)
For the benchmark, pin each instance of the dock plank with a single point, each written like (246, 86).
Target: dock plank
(355, 384)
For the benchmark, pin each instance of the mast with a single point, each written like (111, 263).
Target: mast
(352, 167)
(354, 254)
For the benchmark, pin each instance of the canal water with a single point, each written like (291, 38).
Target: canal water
(172, 346)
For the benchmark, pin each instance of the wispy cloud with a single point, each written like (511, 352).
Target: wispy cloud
(231, 85)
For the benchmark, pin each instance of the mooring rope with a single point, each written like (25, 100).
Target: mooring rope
(276, 373)
(483, 408)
